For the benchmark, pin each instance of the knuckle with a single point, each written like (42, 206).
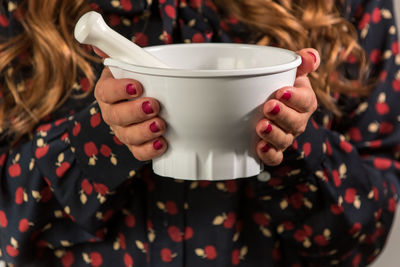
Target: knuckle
(99, 94)
(131, 137)
(285, 142)
(121, 136)
(288, 141)
(139, 152)
(312, 103)
(137, 155)
(106, 117)
(300, 129)
(114, 116)
(308, 103)
(276, 159)
(314, 106)
(281, 145)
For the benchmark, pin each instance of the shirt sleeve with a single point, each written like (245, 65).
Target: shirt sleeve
(84, 163)
(337, 187)
(66, 179)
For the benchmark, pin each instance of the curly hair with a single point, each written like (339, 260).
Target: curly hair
(297, 24)
(47, 51)
(46, 47)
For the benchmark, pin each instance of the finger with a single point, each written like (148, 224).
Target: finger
(301, 99)
(274, 135)
(99, 52)
(149, 150)
(140, 133)
(110, 90)
(310, 61)
(288, 119)
(129, 112)
(302, 81)
(268, 154)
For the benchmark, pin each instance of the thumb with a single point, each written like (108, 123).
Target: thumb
(310, 61)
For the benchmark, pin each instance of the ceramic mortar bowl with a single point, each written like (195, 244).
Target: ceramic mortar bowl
(211, 99)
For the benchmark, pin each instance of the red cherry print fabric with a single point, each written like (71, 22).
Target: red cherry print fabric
(73, 194)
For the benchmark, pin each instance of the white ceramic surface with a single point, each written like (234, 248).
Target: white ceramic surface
(91, 29)
(211, 99)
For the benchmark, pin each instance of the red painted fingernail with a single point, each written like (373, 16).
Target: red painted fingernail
(275, 110)
(146, 107)
(313, 55)
(153, 127)
(268, 129)
(130, 89)
(157, 145)
(265, 148)
(286, 95)
(302, 59)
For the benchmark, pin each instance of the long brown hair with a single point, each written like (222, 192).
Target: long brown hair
(48, 46)
(46, 49)
(297, 24)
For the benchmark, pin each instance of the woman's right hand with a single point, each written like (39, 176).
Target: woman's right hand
(133, 119)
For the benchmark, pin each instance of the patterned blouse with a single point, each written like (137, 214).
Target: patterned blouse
(73, 195)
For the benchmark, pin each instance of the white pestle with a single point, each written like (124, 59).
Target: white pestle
(91, 29)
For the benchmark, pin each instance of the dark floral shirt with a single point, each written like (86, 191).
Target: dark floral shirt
(73, 195)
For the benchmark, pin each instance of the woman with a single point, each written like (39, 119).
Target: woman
(76, 186)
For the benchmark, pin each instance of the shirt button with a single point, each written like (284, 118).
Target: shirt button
(264, 176)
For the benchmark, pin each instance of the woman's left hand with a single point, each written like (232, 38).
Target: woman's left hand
(287, 112)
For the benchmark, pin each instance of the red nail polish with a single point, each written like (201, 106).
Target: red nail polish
(275, 110)
(302, 60)
(265, 148)
(268, 129)
(130, 89)
(313, 55)
(286, 95)
(153, 127)
(157, 145)
(146, 107)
